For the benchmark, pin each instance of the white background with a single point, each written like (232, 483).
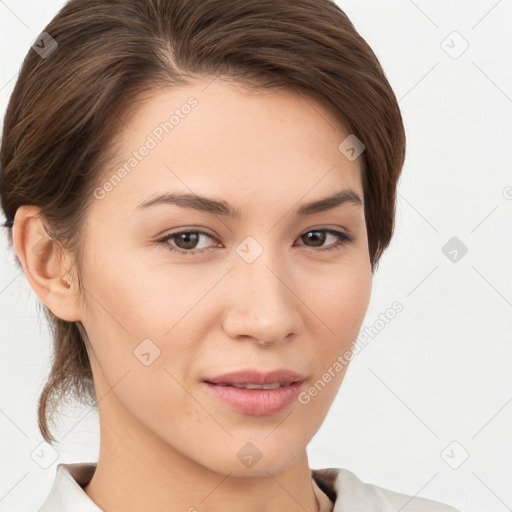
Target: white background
(440, 371)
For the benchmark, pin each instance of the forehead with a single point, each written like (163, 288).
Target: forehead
(224, 139)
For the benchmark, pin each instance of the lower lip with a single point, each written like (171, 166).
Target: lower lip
(256, 402)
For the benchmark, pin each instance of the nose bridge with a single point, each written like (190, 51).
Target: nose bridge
(261, 270)
(263, 307)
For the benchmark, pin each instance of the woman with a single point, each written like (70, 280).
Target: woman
(199, 192)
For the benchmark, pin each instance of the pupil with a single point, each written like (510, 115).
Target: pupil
(316, 236)
(188, 240)
(185, 237)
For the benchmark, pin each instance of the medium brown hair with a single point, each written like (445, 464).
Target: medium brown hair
(67, 108)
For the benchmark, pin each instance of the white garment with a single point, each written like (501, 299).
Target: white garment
(346, 491)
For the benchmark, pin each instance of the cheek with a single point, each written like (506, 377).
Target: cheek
(139, 313)
(339, 312)
(134, 325)
(132, 297)
(339, 297)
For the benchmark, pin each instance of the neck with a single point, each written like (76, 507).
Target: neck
(136, 471)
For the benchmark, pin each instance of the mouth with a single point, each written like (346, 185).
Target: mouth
(255, 399)
(250, 385)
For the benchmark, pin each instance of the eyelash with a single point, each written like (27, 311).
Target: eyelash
(343, 239)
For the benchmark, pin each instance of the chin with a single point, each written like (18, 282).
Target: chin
(250, 461)
(260, 469)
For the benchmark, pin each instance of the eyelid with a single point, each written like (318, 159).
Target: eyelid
(164, 240)
(343, 236)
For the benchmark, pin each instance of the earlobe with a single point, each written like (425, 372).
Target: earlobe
(43, 264)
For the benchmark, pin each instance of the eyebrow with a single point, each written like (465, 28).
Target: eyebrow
(223, 208)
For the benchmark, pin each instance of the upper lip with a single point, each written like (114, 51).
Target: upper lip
(253, 376)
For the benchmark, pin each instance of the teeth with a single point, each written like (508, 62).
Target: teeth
(258, 386)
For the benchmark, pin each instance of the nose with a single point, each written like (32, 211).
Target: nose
(262, 303)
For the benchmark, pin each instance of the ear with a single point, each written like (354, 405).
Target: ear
(45, 267)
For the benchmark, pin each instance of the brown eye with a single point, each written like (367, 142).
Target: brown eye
(185, 242)
(317, 238)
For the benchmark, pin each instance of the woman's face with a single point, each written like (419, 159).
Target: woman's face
(269, 289)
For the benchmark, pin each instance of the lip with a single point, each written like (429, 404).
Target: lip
(256, 402)
(254, 376)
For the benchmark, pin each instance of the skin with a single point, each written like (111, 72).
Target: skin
(166, 444)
